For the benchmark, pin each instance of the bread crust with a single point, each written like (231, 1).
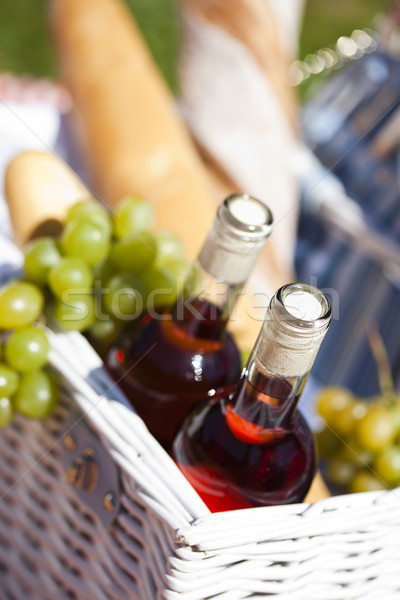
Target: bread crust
(126, 120)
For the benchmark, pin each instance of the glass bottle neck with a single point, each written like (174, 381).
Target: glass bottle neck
(203, 308)
(237, 235)
(263, 405)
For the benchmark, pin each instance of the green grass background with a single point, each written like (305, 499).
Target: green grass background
(25, 46)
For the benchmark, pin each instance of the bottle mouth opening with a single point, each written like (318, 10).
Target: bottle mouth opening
(247, 215)
(302, 307)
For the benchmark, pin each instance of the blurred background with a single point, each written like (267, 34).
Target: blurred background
(25, 47)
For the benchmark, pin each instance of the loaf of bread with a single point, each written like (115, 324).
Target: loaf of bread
(39, 189)
(125, 119)
(246, 122)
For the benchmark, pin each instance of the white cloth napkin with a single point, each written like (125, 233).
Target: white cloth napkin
(30, 119)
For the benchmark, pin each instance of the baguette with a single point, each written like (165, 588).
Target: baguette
(246, 121)
(125, 119)
(253, 23)
(39, 190)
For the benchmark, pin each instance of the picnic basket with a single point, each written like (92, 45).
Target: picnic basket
(93, 508)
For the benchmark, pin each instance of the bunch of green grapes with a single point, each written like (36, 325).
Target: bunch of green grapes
(97, 277)
(104, 270)
(360, 444)
(25, 384)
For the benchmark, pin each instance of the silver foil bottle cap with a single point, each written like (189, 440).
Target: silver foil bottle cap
(239, 231)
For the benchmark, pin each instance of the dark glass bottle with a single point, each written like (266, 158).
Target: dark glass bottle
(248, 445)
(181, 354)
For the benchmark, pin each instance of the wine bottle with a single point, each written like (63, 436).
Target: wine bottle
(248, 445)
(179, 355)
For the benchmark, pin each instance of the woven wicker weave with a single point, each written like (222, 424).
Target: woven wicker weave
(163, 542)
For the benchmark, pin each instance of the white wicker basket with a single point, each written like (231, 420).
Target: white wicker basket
(143, 533)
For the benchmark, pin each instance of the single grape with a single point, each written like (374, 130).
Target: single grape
(387, 465)
(332, 399)
(168, 246)
(27, 349)
(244, 355)
(78, 314)
(396, 415)
(85, 239)
(105, 329)
(8, 381)
(327, 442)
(70, 274)
(125, 296)
(352, 453)
(40, 256)
(161, 288)
(37, 394)
(103, 333)
(345, 420)
(132, 214)
(6, 411)
(103, 271)
(20, 304)
(376, 429)
(134, 254)
(365, 481)
(91, 211)
(178, 267)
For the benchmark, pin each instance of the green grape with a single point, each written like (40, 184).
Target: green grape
(332, 399)
(27, 349)
(6, 411)
(102, 334)
(339, 472)
(352, 453)
(376, 429)
(85, 239)
(125, 296)
(179, 267)
(20, 304)
(71, 273)
(78, 314)
(37, 395)
(134, 253)
(103, 271)
(327, 442)
(161, 288)
(91, 211)
(168, 246)
(132, 214)
(365, 481)
(244, 355)
(396, 415)
(105, 329)
(344, 421)
(40, 256)
(387, 465)
(8, 381)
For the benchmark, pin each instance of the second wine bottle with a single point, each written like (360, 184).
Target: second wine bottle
(179, 355)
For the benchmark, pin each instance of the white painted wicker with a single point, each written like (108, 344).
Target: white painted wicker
(163, 543)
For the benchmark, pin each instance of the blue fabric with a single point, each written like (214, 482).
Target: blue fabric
(341, 124)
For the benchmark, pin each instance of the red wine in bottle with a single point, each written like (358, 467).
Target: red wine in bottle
(179, 355)
(167, 370)
(249, 445)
